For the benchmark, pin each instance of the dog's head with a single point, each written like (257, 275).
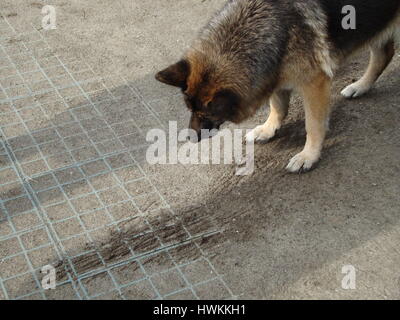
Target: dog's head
(211, 99)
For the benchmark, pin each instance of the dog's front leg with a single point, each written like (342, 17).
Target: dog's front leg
(316, 96)
(279, 105)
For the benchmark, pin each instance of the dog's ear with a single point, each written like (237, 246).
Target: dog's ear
(175, 75)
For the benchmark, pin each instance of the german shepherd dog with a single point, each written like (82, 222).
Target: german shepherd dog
(253, 51)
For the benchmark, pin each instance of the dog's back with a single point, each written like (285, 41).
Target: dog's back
(258, 34)
(372, 17)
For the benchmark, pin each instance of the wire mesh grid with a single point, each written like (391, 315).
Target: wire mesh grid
(60, 138)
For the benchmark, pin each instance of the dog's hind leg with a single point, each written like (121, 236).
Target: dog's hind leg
(379, 60)
(316, 96)
(279, 106)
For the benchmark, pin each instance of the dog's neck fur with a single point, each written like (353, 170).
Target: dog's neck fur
(227, 47)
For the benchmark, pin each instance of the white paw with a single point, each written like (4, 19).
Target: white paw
(260, 134)
(302, 162)
(355, 90)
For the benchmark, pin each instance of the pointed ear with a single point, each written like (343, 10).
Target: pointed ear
(175, 75)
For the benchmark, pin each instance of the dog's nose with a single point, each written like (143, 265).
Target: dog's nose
(197, 136)
(203, 134)
(204, 129)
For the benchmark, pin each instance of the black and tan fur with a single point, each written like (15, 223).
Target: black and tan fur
(253, 51)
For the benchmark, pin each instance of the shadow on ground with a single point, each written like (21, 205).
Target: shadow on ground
(276, 226)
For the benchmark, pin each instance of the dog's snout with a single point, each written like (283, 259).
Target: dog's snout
(203, 128)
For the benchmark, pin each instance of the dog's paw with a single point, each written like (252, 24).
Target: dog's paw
(302, 162)
(355, 90)
(261, 134)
